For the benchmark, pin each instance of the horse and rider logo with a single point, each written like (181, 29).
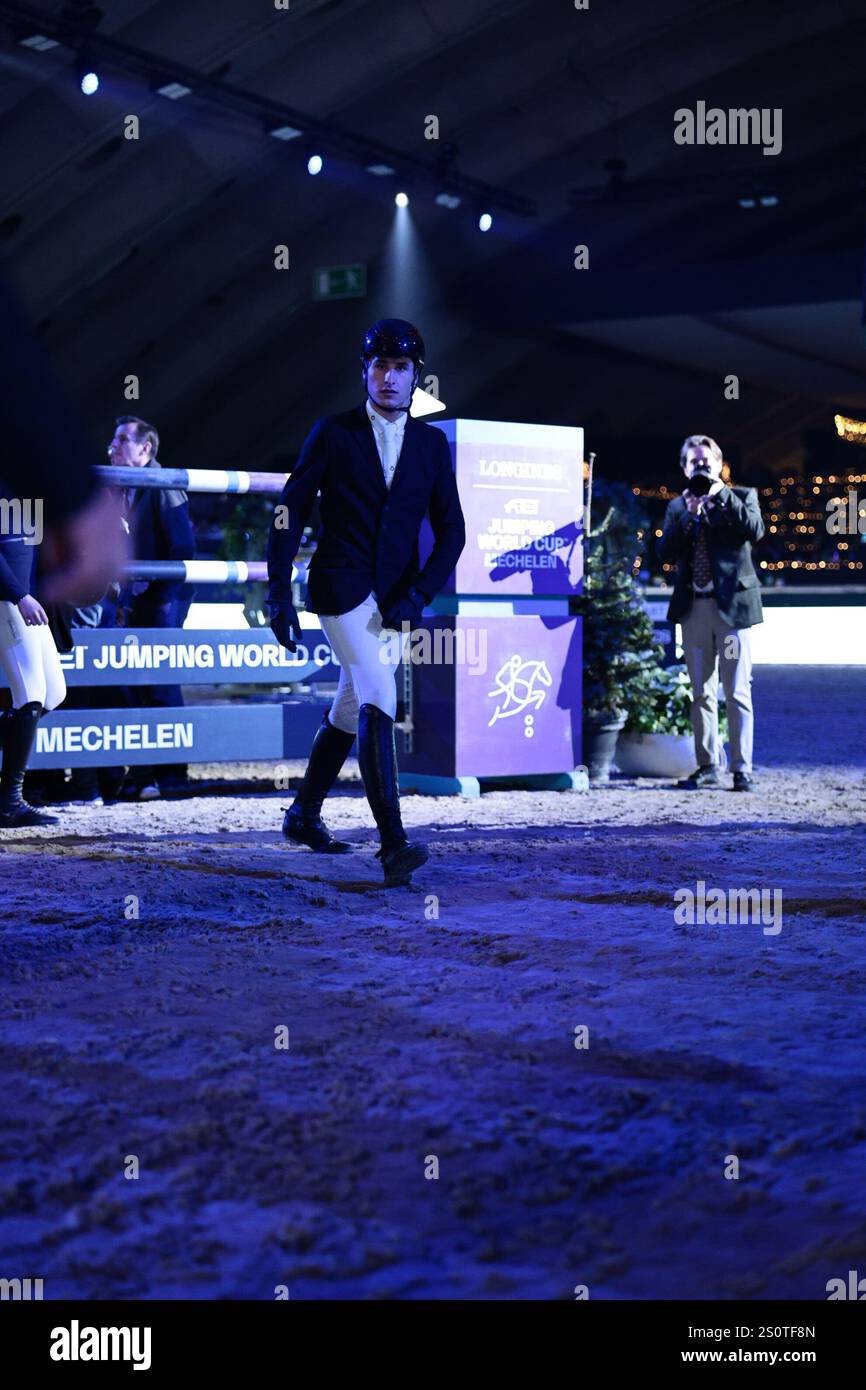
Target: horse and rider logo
(519, 686)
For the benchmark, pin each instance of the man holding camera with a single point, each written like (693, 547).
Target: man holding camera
(709, 532)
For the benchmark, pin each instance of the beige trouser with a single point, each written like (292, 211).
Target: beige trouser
(712, 647)
(368, 662)
(30, 660)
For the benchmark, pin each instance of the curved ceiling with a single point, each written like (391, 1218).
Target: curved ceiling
(155, 256)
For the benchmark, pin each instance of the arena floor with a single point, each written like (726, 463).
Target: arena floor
(437, 1025)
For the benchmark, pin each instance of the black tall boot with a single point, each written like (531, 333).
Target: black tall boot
(303, 822)
(377, 758)
(19, 733)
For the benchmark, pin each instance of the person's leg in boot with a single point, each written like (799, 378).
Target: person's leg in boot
(331, 746)
(32, 667)
(303, 822)
(377, 758)
(367, 699)
(5, 718)
(20, 731)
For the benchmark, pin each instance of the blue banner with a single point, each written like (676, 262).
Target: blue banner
(191, 734)
(179, 656)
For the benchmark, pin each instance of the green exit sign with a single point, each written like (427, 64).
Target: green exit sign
(340, 282)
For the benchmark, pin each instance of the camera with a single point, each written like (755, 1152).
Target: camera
(700, 483)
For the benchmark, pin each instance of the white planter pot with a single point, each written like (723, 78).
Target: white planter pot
(658, 755)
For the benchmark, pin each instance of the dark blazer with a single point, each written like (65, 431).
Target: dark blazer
(733, 524)
(368, 536)
(16, 556)
(16, 570)
(161, 529)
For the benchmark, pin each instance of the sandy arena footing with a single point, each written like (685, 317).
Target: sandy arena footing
(435, 1026)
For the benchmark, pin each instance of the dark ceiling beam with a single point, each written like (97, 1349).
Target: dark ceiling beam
(266, 111)
(552, 297)
(709, 183)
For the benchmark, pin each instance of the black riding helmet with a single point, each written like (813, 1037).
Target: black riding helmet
(394, 338)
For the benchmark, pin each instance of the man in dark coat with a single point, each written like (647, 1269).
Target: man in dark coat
(379, 472)
(709, 532)
(161, 529)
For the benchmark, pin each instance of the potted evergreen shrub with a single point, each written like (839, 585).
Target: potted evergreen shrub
(619, 652)
(657, 738)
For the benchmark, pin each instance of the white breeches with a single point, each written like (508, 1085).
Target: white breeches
(367, 664)
(30, 661)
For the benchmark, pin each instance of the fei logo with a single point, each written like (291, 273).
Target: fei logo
(516, 682)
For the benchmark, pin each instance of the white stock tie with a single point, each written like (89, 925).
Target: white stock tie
(390, 454)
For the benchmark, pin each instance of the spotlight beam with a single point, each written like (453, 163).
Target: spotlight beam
(108, 53)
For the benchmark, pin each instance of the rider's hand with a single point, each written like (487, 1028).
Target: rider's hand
(32, 611)
(405, 610)
(286, 625)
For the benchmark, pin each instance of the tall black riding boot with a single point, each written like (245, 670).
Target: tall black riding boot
(377, 758)
(303, 822)
(19, 733)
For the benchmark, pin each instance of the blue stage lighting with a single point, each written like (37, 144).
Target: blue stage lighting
(38, 42)
(485, 222)
(89, 84)
(402, 200)
(174, 90)
(314, 164)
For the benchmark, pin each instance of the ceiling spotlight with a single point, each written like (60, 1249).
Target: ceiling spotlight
(380, 170)
(746, 202)
(173, 90)
(402, 200)
(89, 83)
(769, 200)
(39, 42)
(284, 132)
(314, 164)
(485, 222)
(448, 200)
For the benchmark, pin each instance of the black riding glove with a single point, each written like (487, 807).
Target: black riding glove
(402, 610)
(286, 625)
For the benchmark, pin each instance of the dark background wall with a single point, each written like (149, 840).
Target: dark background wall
(155, 256)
